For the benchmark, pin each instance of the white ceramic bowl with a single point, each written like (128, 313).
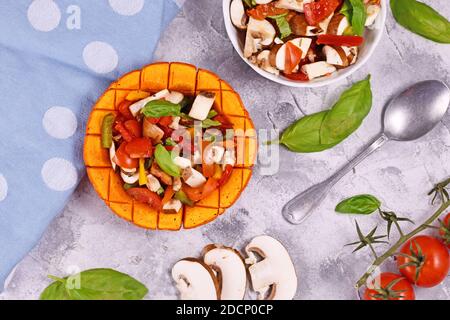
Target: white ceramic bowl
(371, 39)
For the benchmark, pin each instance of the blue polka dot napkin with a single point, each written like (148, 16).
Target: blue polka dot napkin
(56, 58)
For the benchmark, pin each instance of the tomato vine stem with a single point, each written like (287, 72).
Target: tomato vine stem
(445, 204)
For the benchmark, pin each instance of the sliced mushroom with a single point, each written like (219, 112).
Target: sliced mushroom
(237, 13)
(263, 61)
(273, 277)
(177, 184)
(302, 43)
(298, 25)
(153, 183)
(335, 56)
(136, 107)
(175, 125)
(192, 177)
(174, 97)
(181, 162)
(157, 172)
(263, 1)
(296, 5)
(195, 280)
(372, 13)
(352, 54)
(129, 178)
(152, 131)
(259, 33)
(273, 55)
(112, 154)
(202, 105)
(338, 24)
(317, 69)
(230, 269)
(173, 206)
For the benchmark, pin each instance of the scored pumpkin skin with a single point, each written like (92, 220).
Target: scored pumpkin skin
(188, 80)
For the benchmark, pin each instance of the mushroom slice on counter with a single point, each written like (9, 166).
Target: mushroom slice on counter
(263, 61)
(237, 13)
(335, 56)
(317, 69)
(296, 5)
(174, 97)
(302, 43)
(230, 269)
(338, 24)
(136, 107)
(372, 13)
(273, 277)
(202, 105)
(259, 33)
(195, 280)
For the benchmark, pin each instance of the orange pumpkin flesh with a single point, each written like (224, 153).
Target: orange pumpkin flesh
(187, 79)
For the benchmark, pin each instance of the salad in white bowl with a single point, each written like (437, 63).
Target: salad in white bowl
(298, 41)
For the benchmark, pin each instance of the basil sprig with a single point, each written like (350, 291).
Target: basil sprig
(324, 130)
(95, 284)
(421, 19)
(161, 108)
(360, 204)
(283, 25)
(164, 160)
(356, 14)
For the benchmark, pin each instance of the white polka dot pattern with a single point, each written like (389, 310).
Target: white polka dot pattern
(44, 15)
(100, 57)
(60, 122)
(59, 174)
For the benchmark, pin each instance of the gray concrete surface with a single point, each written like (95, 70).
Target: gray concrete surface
(87, 235)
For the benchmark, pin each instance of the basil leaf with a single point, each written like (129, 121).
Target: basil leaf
(360, 204)
(347, 10)
(347, 114)
(212, 114)
(421, 19)
(359, 16)
(164, 160)
(208, 123)
(283, 25)
(161, 108)
(55, 291)
(97, 284)
(304, 135)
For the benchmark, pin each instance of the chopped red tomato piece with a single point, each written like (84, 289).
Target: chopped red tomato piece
(165, 121)
(139, 148)
(123, 160)
(124, 109)
(262, 11)
(195, 194)
(168, 195)
(126, 135)
(334, 40)
(226, 174)
(151, 120)
(134, 128)
(292, 58)
(144, 195)
(300, 76)
(318, 11)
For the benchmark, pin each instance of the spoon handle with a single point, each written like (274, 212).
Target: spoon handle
(301, 206)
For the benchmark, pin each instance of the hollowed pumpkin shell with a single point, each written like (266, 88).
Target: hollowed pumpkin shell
(189, 80)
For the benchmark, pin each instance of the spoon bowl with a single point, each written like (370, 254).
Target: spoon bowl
(416, 111)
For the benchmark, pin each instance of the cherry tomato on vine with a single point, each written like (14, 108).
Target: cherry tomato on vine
(444, 230)
(424, 261)
(390, 286)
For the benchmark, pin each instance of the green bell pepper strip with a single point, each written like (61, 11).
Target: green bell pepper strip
(107, 127)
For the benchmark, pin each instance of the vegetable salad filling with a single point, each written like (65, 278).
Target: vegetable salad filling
(303, 39)
(171, 150)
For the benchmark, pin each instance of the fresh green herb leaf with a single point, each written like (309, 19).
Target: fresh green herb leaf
(107, 128)
(212, 114)
(96, 284)
(347, 114)
(359, 17)
(360, 204)
(164, 160)
(421, 19)
(347, 10)
(208, 123)
(283, 25)
(304, 135)
(161, 108)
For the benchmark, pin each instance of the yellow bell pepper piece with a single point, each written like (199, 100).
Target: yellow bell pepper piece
(217, 172)
(137, 95)
(142, 173)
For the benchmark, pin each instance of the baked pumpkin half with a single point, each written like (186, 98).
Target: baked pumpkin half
(169, 146)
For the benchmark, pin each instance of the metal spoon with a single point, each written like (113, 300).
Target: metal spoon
(409, 116)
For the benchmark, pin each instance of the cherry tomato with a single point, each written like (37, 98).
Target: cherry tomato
(292, 57)
(165, 121)
(126, 135)
(424, 261)
(144, 195)
(226, 174)
(262, 11)
(300, 76)
(444, 230)
(139, 148)
(134, 128)
(124, 109)
(334, 40)
(390, 286)
(318, 11)
(123, 160)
